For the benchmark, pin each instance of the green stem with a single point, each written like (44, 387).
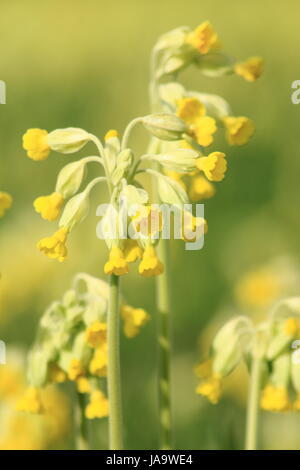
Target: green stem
(253, 404)
(113, 373)
(164, 349)
(82, 439)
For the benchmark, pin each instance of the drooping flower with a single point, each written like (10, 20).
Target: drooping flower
(36, 144)
(116, 263)
(201, 127)
(49, 206)
(238, 129)
(5, 202)
(31, 401)
(55, 246)
(275, 399)
(98, 406)
(214, 166)
(134, 319)
(150, 264)
(251, 69)
(132, 250)
(204, 38)
(211, 388)
(200, 188)
(96, 334)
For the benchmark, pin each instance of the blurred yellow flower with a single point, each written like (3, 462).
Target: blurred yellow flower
(251, 69)
(211, 388)
(116, 263)
(83, 385)
(98, 406)
(49, 206)
(11, 382)
(291, 326)
(238, 129)
(150, 264)
(204, 38)
(132, 251)
(56, 374)
(31, 401)
(275, 399)
(214, 166)
(54, 247)
(75, 369)
(98, 364)
(5, 202)
(96, 334)
(134, 319)
(257, 289)
(36, 144)
(200, 188)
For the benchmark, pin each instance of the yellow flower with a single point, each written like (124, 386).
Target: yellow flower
(31, 401)
(5, 202)
(251, 69)
(98, 406)
(49, 206)
(275, 399)
(75, 369)
(211, 388)
(98, 364)
(238, 129)
(257, 289)
(204, 369)
(190, 225)
(200, 188)
(201, 127)
(134, 319)
(54, 247)
(132, 251)
(292, 327)
(56, 374)
(117, 263)
(204, 38)
(96, 334)
(214, 166)
(35, 141)
(111, 133)
(150, 264)
(83, 385)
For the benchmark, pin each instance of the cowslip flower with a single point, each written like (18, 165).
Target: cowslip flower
(75, 369)
(98, 364)
(49, 206)
(5, 202)
(134, 319)
(35, 142)
(116, 263)
(83, 385)
(251, 69)
(200, 188)
(55, 246)
(275, 399)
(31, 401)
(132, 251)
(96, 334)
(98, 406)
(204, 38)
(238, 129)
(150, 265)
(214, 166)
(200, 126)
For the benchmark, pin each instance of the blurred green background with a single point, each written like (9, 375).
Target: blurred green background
(85, 64)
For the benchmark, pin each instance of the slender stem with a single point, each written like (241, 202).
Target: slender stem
(82, 438)
(253, 404)
(113, 373)
(164, 349)
(128, 130)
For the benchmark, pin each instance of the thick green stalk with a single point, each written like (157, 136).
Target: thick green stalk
(164, 348)
(253, 404)
(113, 373)
(82, 437)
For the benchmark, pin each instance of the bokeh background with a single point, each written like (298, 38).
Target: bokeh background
(85, 64)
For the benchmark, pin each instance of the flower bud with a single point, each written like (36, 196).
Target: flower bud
(124, 160)
(75, 211)
(179, 160)
(171, 192)
(68, 140)
(165, 126)
(70, 178)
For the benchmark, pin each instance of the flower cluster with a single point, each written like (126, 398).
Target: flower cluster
(272, 343)
(71, 345)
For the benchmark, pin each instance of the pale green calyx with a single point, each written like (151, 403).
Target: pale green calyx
(70, 178)
(179, 160)
(165, 126)
(68, 140)
(75, 211)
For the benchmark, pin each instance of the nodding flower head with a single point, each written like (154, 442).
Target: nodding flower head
(116, 263)
(275, 399)
(214, 166)
(55, 246)
(134, 319)
(150, 264)
(35, 142)
(211, 388)
(238, 129)
(132, 251)
(49, 206)
(204, 38)
(200, 188)
(251, 69)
